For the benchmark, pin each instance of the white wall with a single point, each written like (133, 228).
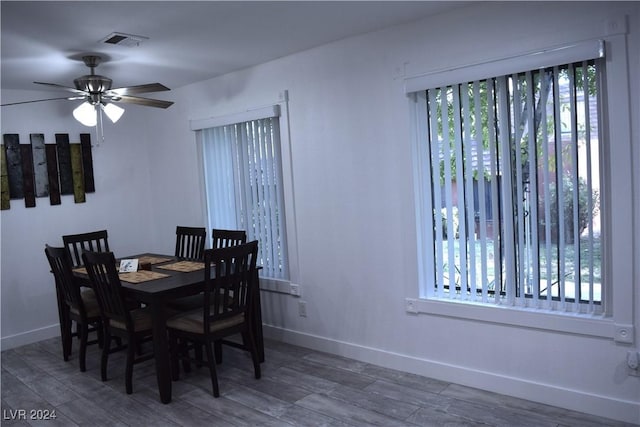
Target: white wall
(121, 204)
(353, 194)
(352, 173)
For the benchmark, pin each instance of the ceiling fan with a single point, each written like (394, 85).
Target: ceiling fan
(96, 91)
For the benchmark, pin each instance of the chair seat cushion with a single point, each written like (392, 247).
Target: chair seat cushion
(192, 321)
(90, 301)
(141, 318)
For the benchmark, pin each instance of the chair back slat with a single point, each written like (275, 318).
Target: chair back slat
(94, 241)
(105, 282)
(227, 238)
(190, 242)
(229, 280)
(66, 284)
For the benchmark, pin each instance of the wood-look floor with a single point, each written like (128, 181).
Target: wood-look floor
(299, 387)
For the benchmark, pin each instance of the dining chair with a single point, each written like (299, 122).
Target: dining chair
(225, 238)
(221, 238)
(190, 242)
(229, 286)
(96, 241)
(73, 305)
(117, 318)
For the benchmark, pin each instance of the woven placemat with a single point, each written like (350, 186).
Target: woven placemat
(142, 260)
(83, 270)
(152, 259)
(183, 266)
(141, 276)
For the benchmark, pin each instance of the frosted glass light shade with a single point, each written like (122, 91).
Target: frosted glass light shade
(112, 111)
(85, 113)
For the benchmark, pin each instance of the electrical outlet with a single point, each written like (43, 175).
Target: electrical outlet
(624, 334)
(295, 290)
(615, 26)
(411, 306)
(302, 308)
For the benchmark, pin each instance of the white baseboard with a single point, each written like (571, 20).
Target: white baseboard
(29, 337)
(603, 406)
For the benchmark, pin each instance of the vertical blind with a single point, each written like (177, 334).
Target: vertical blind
(512, 170)
(243, 180)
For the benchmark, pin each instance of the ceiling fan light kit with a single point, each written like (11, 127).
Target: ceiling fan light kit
(112, 111)
(95, 90)
(85, 113)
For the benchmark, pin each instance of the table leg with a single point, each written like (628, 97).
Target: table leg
(161, 351)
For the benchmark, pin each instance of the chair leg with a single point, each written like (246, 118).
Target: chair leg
(131, 355)
(100, 333)
(183, 351)
(250, 344)
(83, 346)
(175, 366)
(138, 347)
(105, 354)
(197, 347)
(65, 326)
(67, 339)
(217, 347)
(212, 369)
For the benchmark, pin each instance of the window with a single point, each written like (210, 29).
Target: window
(510, 189)
(244, 186)
(514, 165)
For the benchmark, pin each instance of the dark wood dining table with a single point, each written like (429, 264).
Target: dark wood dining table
(155, 294)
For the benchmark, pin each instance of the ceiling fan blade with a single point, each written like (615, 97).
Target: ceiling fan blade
(69, 89)
(132, 90)
(143, 101)
(38, 100)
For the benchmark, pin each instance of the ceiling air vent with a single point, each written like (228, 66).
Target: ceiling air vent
(122, 39)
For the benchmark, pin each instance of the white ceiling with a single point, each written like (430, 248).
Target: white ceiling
(188, 41)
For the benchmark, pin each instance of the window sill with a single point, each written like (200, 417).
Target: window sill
(571, 323)
(276, 285)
